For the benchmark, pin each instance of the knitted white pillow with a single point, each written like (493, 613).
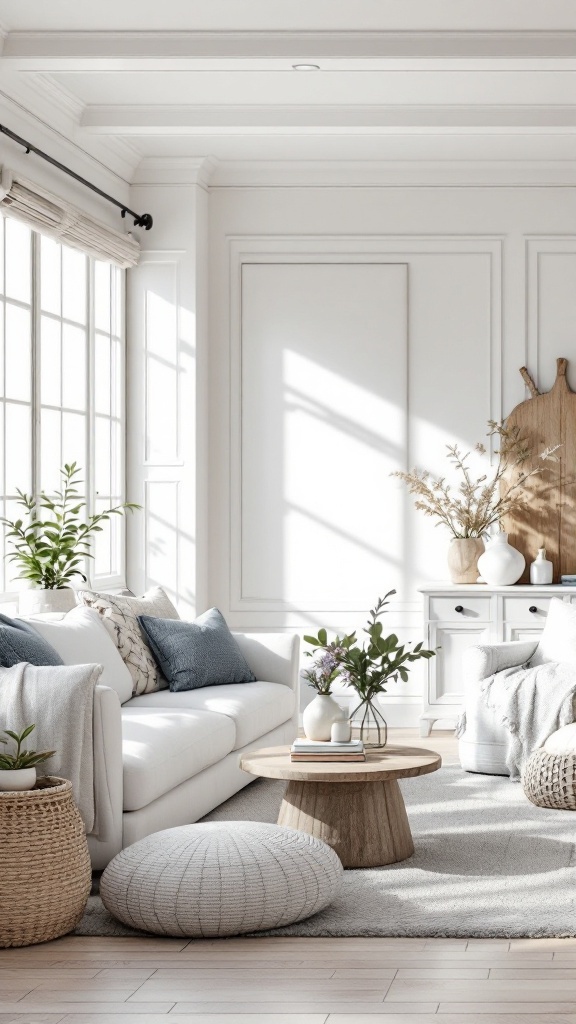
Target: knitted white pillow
(563, 741)
(119, 615)
(558, 640)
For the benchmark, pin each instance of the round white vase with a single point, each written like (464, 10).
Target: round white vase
(18, 780)
(319, 716)
(37, 601)
(501, 565)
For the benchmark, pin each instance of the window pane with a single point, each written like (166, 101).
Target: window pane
(1, 346)
(74, 267)
(102, 296)
(18, 355)
(50, 390)
(2, 222)
(18, 448)
(102, 374)
(74, 440)
(50, 277)
(18, 260)
(74, 380)
(50, 450)
(102, 543)
(102, 462)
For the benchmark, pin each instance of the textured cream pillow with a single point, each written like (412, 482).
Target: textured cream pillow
(563, 741)
(119, 615)
(558, 640)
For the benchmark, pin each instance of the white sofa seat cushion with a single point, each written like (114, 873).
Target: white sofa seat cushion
(162, 748)
(254, 708)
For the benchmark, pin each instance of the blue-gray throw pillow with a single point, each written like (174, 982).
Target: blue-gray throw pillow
(195, 654)
(20, 642)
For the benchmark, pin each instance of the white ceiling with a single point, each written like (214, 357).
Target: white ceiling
(134, 81)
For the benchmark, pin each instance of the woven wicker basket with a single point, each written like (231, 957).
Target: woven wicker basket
(45, 871)
(549, 780)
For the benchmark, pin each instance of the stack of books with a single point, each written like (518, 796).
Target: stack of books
(569, 580)
(317, 750)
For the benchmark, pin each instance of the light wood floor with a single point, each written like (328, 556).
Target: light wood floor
(293, 981)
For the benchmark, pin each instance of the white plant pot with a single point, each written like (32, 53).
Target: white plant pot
(501, 565)
(37, 601)
(319, 716)
(17, 781)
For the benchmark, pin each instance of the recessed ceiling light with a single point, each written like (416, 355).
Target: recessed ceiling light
(306, 67)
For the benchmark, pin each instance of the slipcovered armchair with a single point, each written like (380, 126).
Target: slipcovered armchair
(483, 741)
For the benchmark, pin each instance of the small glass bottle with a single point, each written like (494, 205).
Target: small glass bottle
(541, 570)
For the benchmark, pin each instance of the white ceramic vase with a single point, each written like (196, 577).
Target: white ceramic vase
(501, 565)
(37, 601)
(319, 716)
(17, 781)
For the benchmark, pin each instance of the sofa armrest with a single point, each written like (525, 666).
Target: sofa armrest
(273, 657)
(483, 660)
(108, 776)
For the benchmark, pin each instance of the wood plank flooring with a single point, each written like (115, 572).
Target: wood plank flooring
(291, 980)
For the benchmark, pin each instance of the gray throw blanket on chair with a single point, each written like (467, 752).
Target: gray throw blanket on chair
(60, 701)
(531, 703)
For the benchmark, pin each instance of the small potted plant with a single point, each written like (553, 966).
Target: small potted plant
(54, 542)
(18, 770)
(367, 668)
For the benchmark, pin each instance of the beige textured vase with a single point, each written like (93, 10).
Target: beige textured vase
(463, 555)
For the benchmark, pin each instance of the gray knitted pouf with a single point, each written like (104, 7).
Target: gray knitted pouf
(220, 878)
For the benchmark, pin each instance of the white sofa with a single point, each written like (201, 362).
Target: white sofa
(483, 744)
(172, 757)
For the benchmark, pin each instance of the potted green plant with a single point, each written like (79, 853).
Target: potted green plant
(368, 668)
(52, 541)
(18, 770)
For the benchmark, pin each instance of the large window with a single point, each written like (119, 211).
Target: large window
(61, 381)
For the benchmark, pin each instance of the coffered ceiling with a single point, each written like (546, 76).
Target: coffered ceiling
(141, 81)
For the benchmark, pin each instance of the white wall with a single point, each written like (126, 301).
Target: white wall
(353, 330)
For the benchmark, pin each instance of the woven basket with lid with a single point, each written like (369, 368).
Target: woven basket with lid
(45, 871)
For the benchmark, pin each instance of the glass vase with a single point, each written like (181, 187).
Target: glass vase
(369, 725)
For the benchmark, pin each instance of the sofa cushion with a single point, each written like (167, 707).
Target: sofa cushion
(119, 615)
(20, 642)
(558, 640)
(195, 654)
(80, 637)
(254, 709)
(162, 747)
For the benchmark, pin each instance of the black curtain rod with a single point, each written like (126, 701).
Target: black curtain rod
(140, 220)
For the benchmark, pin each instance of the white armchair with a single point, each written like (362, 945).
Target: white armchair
(483, 743)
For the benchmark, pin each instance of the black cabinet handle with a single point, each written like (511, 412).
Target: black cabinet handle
(533, 608)
(459, 608)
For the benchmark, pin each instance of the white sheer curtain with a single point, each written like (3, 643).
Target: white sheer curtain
(45, 212)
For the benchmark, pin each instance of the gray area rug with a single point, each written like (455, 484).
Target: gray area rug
(487, 863)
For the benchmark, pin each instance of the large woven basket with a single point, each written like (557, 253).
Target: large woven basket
(44, 863)
(549, 780)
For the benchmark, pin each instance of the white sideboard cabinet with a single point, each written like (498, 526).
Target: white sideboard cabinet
(458, 617)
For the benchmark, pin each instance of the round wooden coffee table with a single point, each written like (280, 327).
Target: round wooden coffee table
(356, 807)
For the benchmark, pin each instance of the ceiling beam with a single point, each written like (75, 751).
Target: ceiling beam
(189, 120)
(105, 51)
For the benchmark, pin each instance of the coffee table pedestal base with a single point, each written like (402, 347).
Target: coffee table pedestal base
(364, 822)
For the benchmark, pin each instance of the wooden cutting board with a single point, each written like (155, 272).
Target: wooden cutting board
(547, 420)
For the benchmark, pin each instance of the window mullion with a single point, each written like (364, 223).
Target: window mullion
(35, 326)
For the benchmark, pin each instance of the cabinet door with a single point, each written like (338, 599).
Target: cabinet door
(523, 632)
(445, 680)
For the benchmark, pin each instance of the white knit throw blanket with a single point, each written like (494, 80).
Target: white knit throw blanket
(531, 703)
(59, 700)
